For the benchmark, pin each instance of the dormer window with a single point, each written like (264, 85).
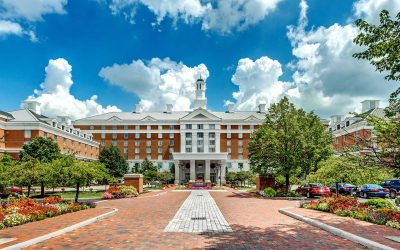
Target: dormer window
(338, 126)
(347, 123)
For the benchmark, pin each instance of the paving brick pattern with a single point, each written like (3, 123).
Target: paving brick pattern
(361, 228)
(140, 224)
(198, 214)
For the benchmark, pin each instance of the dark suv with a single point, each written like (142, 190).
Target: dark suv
(393, 186)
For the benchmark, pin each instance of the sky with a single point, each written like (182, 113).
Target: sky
(86, 57)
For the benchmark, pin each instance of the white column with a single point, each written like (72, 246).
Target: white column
(177, 170)
(205, 142)
(192, 171)
(223, 166)
(207, 171)
(183, 141)
(194, 141)
(217, 142)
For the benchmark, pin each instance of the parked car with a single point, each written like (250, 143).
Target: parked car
(372, 190)
(393, 186)
(6, 191)
(344, 188)
(313, 189)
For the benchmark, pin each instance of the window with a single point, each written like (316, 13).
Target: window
(338, 126)
(171, 127)
(200, 126)
(188, 126)
(171, 150)
(148, 136)
(160, 157)
(137, 150)
(240, 143)
(148, 127)
(160, 150)
(45, 135)
(91, 127)
(137, 136)
(200, 135)
(240, 127)
(347, 123)
(72, 142)
(229, 164)
(148, 150)
(345, 138)
(171, 135)
(171, 157)
(125, 143)
(356, 134)
(65, 141)
(337, 140)
(125, 127)
(27, 142)
(188, 135)
(159, 135)
(240, 165)
(159, 143)
(211, 126)
(148, 157)
(211, 142)
(188, 142)
(252, 127)
(229, 127)
(125, 136)
(114, 136)
(240, 135)
(229, 157)
(137, 127)
(27, 134)
(148, 143)
(114, 127)
(240, 157)
(188, 150)
(103, 127)
(240, 150)
(159, 127)
(211, 149)
(228, 143)
(171, 142)
(137, 143)
(103, 143)
(211, 135)
(103, 136)
(228, 135)
(114, 143)
(136, 157)
(200, 149)
(229, 150)
(125, 150)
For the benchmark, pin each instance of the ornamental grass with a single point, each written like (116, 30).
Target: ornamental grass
(377, 211)
(17, 211)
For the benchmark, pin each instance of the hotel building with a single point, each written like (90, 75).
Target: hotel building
(22, 126)
(199, 144)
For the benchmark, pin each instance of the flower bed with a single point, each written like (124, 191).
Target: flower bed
(377, 211)
(270, 193)
(23, 210)
(118, 192)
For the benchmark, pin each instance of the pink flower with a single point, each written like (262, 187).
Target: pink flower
(107, 195)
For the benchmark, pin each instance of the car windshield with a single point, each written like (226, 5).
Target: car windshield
(315, 184)
(396, 183)
(373, 186)
(348, 185)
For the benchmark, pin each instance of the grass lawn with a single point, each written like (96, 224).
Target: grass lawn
(82, 194)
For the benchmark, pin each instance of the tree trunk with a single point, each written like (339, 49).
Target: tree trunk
(77, 192)
(42, 189)
(287, 183)
(29, 190)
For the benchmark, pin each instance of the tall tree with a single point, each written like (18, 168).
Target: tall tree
(112, 158)
(147, 165)
(382, 44)
(44, 150)
(284, 144)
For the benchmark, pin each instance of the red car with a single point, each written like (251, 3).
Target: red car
(313, 189)
(6, 191)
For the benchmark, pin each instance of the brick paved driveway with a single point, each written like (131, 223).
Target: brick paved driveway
(140, 222)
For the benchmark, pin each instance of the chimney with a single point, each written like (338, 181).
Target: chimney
(31, 105)
(138, 108)
(261, 107)
(369, 104)
(230, 107)
(336, 118)
(169, 108)
(64, 119)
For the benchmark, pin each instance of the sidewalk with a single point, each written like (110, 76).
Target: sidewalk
(360, 228)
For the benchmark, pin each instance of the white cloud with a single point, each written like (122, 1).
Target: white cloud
(24, 12)
(8, 28)
(221, 16)
(327, 78)
(55, 97)
(157, 82)
(258, 82)
(370, 9)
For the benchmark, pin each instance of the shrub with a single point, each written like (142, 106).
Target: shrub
(379, 203)
(52, 199)
(269, 192)
(107, 195)
(15, 219)
(117, 192)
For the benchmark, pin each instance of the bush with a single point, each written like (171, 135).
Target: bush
(52, 199)
(269, 192)
(118, 192)
(379, 203)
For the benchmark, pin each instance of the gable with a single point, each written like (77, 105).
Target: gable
(200, 114)
(114, 118)
(149, 118)
(252, 118)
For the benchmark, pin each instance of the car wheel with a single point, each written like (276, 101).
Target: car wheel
(392, 194)
(365, 195)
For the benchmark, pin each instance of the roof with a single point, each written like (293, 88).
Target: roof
(26, 115)
(3, 113)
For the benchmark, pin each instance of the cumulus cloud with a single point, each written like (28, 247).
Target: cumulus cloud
(258, 82)
(22, 13)
(221, 16)
(327, 78)
(8, 28)
(55, 96)
(157, 82)
(369, 9)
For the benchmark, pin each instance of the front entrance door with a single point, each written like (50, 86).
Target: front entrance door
(213, 178)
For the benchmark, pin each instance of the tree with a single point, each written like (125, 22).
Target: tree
(79, 173)
(45, 150)
(166, 177)
(113, 160)
(24, 173)
(382, 44)
(352, 171)
(289, 142)
(147, 165)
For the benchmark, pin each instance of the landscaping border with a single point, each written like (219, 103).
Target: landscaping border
(60, 232)
(336, 231)
(285, 198)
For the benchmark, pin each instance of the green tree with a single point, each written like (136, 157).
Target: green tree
(45, 150)
(352, 171)
(25, 173)
(113, 160)
(79, 173)
(382, 44)
(147, 165)
(166, 177)
(284, 142)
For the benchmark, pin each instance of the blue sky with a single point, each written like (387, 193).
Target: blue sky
(94, 35)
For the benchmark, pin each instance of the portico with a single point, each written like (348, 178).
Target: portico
(190, 167)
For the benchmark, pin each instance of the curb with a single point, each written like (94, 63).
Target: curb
(336, 231)
(59, 232)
